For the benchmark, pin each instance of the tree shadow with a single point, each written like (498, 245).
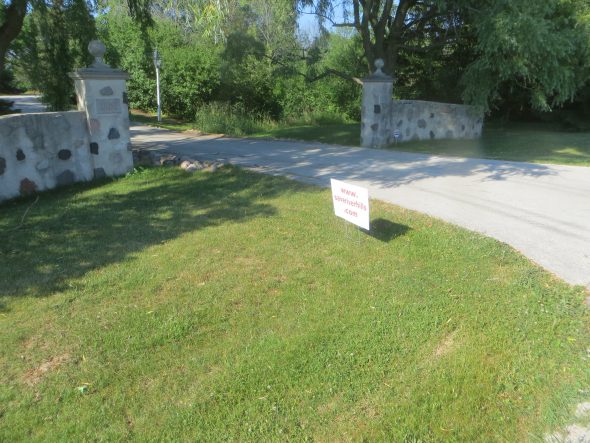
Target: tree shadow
(69, 233)
(316, 163)
(386, 230)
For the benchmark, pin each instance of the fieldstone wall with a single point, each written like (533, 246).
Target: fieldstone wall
(422, 120)
(385, 121)
(42, 151)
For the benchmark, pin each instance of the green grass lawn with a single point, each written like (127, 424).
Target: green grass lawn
(235, 307)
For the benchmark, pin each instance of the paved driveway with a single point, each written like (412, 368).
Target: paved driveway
(541, 210)
(26, 103)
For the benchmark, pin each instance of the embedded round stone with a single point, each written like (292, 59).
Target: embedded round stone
(375, 126)
(114, 134)
(65, 178)
(99, 173)
(421, 123)
(432, 136)
(94, 148)
(27, 187)
(106, 91)
(2, 165)
(20, 155)
(64, 154)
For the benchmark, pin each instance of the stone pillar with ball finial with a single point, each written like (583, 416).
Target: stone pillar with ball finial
(102, 95)
(377, 102)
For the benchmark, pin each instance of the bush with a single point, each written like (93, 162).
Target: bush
(224, 118)
(317, 118)
(190, 77)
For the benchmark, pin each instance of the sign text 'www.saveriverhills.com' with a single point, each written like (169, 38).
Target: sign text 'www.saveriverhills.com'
(351, 203)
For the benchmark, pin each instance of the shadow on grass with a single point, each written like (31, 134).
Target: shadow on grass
(386, 231)
(73, 231)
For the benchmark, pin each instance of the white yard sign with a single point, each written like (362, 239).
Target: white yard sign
(351, 203)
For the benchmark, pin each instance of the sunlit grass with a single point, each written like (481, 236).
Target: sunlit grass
(236, 307)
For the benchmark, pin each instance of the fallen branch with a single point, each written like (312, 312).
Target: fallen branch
(22, 220)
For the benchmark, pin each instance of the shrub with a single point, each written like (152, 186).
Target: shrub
(224, 118)
(190, 77)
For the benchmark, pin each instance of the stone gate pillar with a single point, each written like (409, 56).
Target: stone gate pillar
(376, 126)
(102, 95)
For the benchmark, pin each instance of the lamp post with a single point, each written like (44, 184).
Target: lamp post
(157, 64)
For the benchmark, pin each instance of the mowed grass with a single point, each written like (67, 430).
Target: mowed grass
(236, 307)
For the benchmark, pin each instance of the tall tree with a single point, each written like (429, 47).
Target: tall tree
(541, 45)
(11, 25)
(13, 13)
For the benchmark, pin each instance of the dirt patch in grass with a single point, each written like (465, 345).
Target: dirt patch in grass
(35, 375)
(447, 345)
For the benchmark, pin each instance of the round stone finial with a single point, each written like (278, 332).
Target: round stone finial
(379, 74)
(97, 49)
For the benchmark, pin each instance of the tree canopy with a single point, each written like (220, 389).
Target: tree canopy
(495, 53)
(539, 48)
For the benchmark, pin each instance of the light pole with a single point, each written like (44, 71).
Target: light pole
(157, 64)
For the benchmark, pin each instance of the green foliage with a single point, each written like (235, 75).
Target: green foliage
(497, 49)
(224, 118)
(128, 49)
(303, 96)
(507, 55)
(189, 73)
(189, 78)
(52, 43)
(538, 49)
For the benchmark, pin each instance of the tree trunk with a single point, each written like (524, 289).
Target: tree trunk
(10, 29)
(380, 31)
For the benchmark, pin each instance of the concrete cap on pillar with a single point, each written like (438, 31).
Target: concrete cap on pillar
(97, 49)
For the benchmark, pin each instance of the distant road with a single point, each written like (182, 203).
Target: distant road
(27, 104)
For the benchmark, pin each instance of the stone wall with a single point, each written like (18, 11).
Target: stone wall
(42, 151)
(421, 120)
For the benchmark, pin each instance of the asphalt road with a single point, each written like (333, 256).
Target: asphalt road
(541, 210)
(27, 104)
